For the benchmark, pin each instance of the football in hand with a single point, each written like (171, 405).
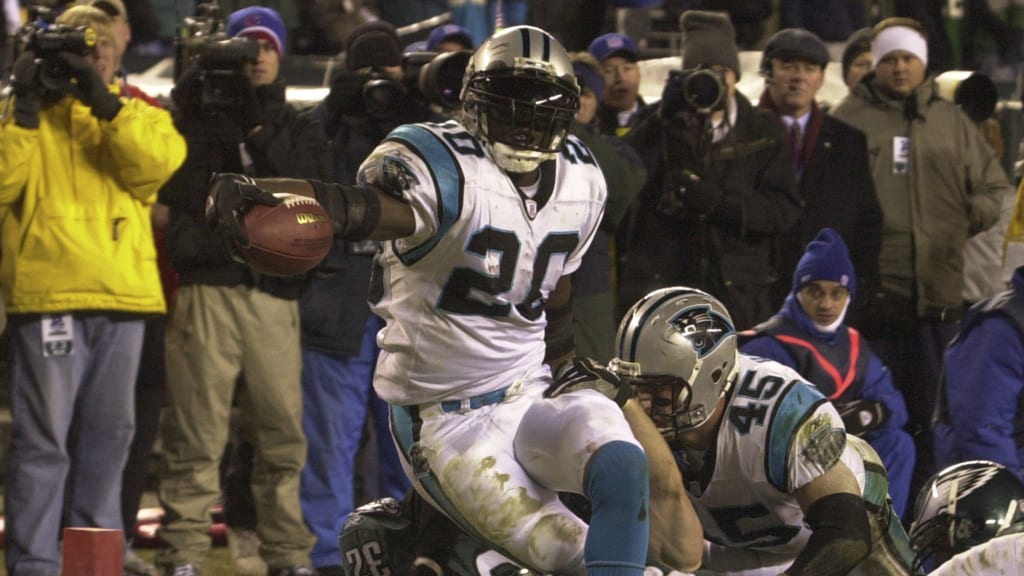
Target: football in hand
(288, 239)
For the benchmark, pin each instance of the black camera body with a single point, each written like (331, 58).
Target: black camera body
(222, 61)
(48, 40)
(56, 38)
(698, 91)
(433, 78)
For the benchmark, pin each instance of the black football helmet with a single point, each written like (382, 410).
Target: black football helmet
(962, 506)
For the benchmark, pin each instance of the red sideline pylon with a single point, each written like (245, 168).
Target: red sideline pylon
(92, 552)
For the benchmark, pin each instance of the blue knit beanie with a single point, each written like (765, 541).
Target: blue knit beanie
(826, 258)
(258, 22)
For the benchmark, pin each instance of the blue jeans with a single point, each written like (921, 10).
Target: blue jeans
(73, 421)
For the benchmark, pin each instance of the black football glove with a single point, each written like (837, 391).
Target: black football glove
(229, 198)
(862, 416)
(26, 88)
(585, 373)
(89, 88)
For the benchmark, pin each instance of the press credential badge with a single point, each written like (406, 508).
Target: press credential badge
(900, 155)
(58, 335)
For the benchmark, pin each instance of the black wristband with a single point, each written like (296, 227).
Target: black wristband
(840, 539)
(363, 212)
(355, 210)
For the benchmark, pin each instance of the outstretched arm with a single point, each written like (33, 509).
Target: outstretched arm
(358, 212)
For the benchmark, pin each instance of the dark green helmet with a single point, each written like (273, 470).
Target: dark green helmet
(378, 540)
(962, 506)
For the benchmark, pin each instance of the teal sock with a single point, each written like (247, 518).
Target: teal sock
(618, 487)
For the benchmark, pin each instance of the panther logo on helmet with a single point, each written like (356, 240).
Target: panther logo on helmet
(677, 347)
(519, 96)
(702, 327)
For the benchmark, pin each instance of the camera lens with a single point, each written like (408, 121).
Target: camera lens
(382, 97)
(441, 79)
(703, 90)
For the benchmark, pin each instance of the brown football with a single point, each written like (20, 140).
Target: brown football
(288, 239)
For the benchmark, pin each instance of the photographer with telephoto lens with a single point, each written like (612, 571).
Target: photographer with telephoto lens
(719, 187)
(227, 318)
(80, 169)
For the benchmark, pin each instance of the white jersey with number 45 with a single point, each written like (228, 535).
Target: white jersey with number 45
(463, 297)
(778, 434)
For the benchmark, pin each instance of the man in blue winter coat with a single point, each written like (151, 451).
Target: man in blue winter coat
(981, 402)
(809, 335)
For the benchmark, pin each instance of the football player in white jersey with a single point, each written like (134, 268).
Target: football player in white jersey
(969, 521)
(483, 221)
(777, 483)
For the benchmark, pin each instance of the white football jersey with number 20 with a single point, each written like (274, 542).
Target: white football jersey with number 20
(463, 296)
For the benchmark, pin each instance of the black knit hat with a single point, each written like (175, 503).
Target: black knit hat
(708, 40)
(794, 44)
(858, 43)
(373, 44)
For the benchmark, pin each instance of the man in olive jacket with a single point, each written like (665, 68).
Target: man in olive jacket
(938, 184)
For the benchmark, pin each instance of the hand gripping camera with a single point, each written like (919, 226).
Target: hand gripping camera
(48, 40)
(202, 42)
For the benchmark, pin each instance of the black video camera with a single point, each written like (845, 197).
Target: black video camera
(222, 61)
(434, 78)
(698, 91)
(48, 40)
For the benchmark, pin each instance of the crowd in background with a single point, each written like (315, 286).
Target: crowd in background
(726, 201)
(986, 30)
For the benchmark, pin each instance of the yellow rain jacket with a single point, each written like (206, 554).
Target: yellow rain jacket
(75, 198)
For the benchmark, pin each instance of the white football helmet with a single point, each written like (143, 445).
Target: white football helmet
(677, 347)
(519, 96)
